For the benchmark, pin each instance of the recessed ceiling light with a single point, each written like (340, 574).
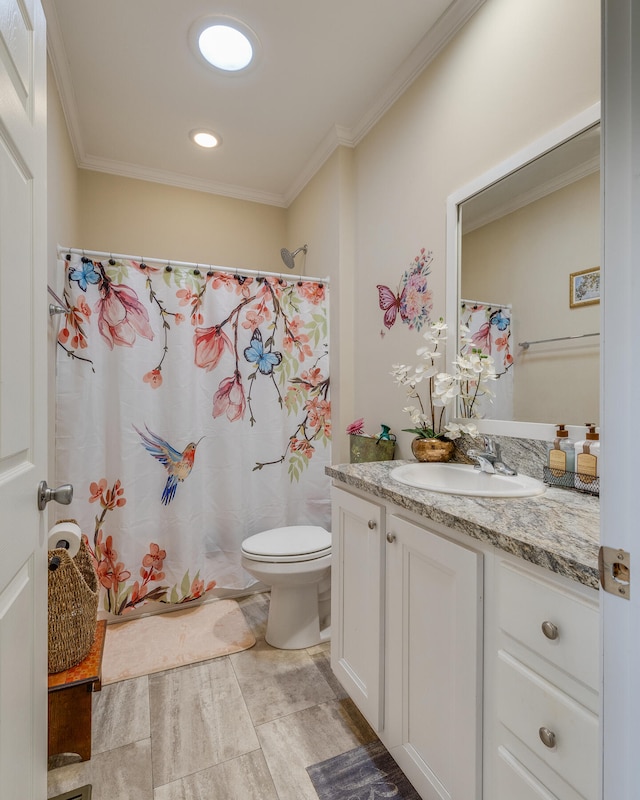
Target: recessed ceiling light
(205, 138)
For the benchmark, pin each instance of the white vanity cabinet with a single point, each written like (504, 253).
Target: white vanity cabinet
(433, 645)
(406, 642)
(357, 601)
(542, 677)
(478, 670)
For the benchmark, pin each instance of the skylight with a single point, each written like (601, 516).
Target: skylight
(225, 47)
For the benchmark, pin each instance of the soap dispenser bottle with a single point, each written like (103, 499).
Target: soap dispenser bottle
(587, 460)
(561, 457)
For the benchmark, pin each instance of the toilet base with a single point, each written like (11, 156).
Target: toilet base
(293, 622)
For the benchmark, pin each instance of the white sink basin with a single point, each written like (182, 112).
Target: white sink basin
(464, 479)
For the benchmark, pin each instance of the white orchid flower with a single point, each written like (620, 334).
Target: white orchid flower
(455, 430)
(425, 371)
(471, 374)
(446, 388)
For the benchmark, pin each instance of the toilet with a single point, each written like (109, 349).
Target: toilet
(295, 561)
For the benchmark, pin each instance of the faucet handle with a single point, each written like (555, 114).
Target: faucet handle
(489, 445)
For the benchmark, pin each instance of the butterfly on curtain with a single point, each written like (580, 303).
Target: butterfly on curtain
(500, 321)
(391, 304)
(84, 274)
(255, 354)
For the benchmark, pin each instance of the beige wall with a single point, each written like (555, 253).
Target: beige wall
(525, 259)
(62, 223)
(517, 70)
(322, 217)
(141, 218)
(62, 181)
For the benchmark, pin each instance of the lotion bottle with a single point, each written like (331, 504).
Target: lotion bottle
(561, 458)
(587, 460)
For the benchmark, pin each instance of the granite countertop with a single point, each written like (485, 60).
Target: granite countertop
(558, 530)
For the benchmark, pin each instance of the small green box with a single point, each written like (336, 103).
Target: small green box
(370, 448)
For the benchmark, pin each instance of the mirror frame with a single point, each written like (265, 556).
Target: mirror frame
(581, 122)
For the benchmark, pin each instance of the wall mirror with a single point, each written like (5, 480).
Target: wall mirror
(523, 269)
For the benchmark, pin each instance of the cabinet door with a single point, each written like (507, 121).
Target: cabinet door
(357, 580)
(434, 678)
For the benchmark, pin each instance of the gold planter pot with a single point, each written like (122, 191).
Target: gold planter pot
(432, 449)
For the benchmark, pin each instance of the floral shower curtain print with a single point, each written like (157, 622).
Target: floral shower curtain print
(192, 411)
(489, 327)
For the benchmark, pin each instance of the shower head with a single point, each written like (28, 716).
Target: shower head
(288, 257)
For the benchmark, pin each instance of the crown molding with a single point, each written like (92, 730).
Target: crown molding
(337, 136)
(453, 19)
(126, 170)
(438, 36)
(537, 193)
(60, 67)
(446, 27)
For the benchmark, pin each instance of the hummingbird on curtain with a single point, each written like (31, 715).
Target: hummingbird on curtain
(178, 464)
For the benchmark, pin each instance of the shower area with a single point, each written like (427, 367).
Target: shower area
(192, 411)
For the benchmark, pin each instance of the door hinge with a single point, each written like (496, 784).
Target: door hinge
(615, 571)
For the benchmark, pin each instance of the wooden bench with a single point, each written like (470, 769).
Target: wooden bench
(70, 697)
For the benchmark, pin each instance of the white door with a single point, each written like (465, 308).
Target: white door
(620, 503)
(23, 397)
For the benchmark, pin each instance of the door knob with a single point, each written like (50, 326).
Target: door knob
(372, 524)
(63, 494)
(391, 537)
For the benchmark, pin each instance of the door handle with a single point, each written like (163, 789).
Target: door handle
(63, 494)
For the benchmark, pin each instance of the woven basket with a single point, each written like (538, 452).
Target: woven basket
(73, 608)
(370, 448)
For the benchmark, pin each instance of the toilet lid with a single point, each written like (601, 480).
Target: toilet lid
(292, 543)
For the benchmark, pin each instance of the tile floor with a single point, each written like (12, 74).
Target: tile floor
(240, 727)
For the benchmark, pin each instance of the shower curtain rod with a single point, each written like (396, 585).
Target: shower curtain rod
(526, 345)
(169, 262)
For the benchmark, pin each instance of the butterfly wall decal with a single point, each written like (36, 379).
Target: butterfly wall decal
(391, 304)
(413, 301)
(265, 361)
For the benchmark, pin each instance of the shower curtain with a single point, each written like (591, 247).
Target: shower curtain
(489, 327)
(192, 411)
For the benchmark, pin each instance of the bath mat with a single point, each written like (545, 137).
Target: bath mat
(360, 774)
(164, 641)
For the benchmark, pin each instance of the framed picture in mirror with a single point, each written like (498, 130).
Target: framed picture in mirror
(584, 287)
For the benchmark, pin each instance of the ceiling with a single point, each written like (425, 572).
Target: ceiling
(132, 87)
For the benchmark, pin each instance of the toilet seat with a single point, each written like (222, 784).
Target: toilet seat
(294, 543)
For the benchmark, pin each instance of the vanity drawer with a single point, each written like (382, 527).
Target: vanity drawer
(515, 782)
(527, 604)
(527, 704)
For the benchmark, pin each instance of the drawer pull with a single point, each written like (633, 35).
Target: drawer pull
(550, 630)
(547, 737)
(372, 524)
(391, 537)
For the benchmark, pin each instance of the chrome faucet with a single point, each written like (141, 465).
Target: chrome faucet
(490, 459)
